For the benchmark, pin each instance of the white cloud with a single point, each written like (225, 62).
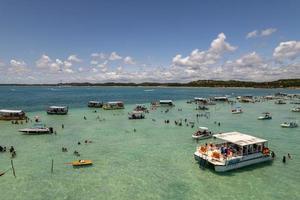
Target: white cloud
(114, 56)
(129, 60)
(46, 63)
(262, 33)
(268, 31)
(289, 50)
(74, 58)
(17, 66)
(202, 59)
(252, 34)
(98, 55)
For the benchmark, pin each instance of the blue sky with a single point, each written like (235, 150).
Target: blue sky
(38, 37)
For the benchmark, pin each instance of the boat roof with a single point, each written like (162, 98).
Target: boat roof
(114, 102)
(165, 101)
(238, 138)
(137, 112)
(200, 98)
(220, 97)
(94, 102)
(202, 128)
(57, 107)
(11, 111)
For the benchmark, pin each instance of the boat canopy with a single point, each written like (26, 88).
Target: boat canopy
(57, 107)
(11, 111)
(220, 98)
(115, 102)
(203, 128)
(239, 138)
(165, 101)
(200, 99)
(94, 102)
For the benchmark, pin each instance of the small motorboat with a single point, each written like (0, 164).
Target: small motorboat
(37, 129)
(136, 115)
(296, 109)
(202, 133)
(79, 163)
(289, 125)
(237, 110)
(266, 116)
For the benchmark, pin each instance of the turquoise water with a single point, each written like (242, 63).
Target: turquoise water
(155, 162)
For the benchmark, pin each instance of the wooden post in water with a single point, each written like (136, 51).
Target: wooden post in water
(12, 166)
(52, 166)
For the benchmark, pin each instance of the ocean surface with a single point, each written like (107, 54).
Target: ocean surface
(156, 161)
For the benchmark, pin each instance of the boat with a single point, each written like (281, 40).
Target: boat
(289, 125)
(57, 110)
(222, 99)
(136, 115)
(296, 109)
(200, 107)
(166, 103)
(236, 150)
(95, 104)
(237, 110)
(140, 107)
(37, 129)
(80, 163)
(202, 133)
(113, 105)
(266, 116)
(200, 100)
(246, 99)
(12, 115)
(280, 102)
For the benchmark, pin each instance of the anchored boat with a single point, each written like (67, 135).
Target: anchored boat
(37, 129)
(113, 105)
(12, 115)
(202, 133)
(95, 104)
(266, 116)
(235, 151)
(289, 125)
(57, 110)
(136, 115)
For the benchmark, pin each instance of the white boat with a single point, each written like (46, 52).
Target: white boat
(202, 133)
(136, 115)
(95, 104)
(296, 109)
(113, 105)
(220, 99)
(12, 115)
(266, 116)
(237, 110)
(289, 125)
(235, 151)
(57, 110)
(166, 103)
(280, 102)
(37, 129)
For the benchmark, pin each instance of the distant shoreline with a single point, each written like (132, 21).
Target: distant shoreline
(283, 83)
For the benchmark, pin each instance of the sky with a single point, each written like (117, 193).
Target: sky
(142, 40)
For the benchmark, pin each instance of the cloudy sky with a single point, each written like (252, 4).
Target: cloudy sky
(141, 40)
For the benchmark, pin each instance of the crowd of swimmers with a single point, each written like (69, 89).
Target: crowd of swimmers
(12, 151)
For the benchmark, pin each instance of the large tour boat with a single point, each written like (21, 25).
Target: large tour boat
(12, 115)
(57, 110)
(113, 105)
(95, 104)
(235, 150)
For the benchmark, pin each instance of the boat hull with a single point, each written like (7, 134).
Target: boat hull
(224, 168)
